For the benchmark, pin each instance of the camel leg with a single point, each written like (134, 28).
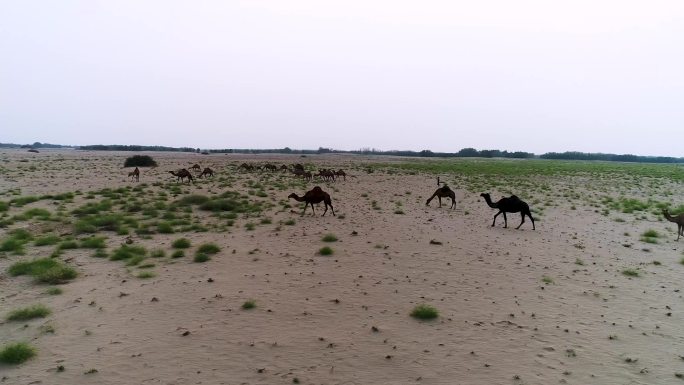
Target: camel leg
(497, 214)
(331, 208)
(440, 201)
(313, 211)
(505, 220)
(305, 206)
(453, 203)
(522, 215)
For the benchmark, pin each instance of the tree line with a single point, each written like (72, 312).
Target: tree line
(463, 153)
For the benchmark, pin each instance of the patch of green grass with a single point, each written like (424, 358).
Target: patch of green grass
(329, 238)
(100, 253)
(547, 280)
(127, 252)
(165, 228)
(630, 272)
(53, 291)
(649, 240)
(158, 253)
(290, 222)
(579, 262)
(178, 254)
(181, 243)
(28, 313)
(424, 312)
(47, 240)
(48, 270)
(22, 201)
(650, 234)
(208, 248)
(201, 257)
(250, 226)
(69, 244)
(146, 274)
(250, 304)
(326, 251)
(4, 206)
(94, 243)
(17, 353)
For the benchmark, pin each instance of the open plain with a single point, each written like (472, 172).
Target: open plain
(222, 281)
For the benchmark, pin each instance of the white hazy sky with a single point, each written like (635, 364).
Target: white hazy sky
(538, 76)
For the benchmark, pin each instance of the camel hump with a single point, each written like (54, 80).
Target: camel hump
(445, 188)
(514, 197)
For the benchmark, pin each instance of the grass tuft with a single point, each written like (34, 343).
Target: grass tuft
(48, 270)
(27, 313)
(181, 243)
(424, 312)
(250, 304)
(17, 353)
(208, 248)
(329, 238)
(326, 251)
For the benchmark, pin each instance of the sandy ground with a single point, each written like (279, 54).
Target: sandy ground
(344, 319)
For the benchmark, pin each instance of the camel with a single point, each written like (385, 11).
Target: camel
(246, 167)
(283, 168)
(315, 195)
(207, 171)
(512, 204)
(326, 175)
(443, 192)
(340, 173)
(181, 174)
(195, 167)
(135, 174)
(679, 220)
(270, 167)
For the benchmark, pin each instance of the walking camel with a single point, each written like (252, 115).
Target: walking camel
(135, 174)
(207, 171)
(195, 167)
(315, 195)
(182, 174)
(679, 220)
(443, 192)
(512, 204)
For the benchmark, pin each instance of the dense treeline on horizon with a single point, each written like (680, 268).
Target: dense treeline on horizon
(463, 153)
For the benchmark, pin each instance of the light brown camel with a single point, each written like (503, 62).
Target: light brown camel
(195, 167)
(443, 192)
(679, 220)
(135, 174)
(315, 195)
(182, 174)
(512, 204)
(207, 171)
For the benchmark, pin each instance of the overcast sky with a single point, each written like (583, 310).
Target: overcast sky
(537, 76)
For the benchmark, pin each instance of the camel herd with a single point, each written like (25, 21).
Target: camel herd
(511, 204)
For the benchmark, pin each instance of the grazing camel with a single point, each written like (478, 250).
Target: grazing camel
(181, 174)
(246, 167)
(512, 204)
(270, 167)
(207, 171)
(340, 173)
(135, 174)
(195, 167)
(326, 175)
(679, 220)
(315, 195)
(443, 192)
(283, 168)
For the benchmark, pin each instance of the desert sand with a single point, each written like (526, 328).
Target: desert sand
(543, 306)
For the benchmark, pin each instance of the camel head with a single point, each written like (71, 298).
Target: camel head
(485, 195)
(293, 195)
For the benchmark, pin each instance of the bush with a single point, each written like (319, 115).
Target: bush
(329, 238)
(424, 312)
(128, 252)
(325, 251)
(16, 353)
(93, 243)
(251, 304)
(199, 258)
(181, 243)
(208, 248)
(140, 161)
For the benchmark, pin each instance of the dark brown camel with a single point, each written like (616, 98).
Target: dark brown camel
(195, 167)
(443, 192)
(182, 174)
(679, 220)
(134, 174)
(512, 204)
(207, 171)
(340, 173)
(315, 195)
(246, 167)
